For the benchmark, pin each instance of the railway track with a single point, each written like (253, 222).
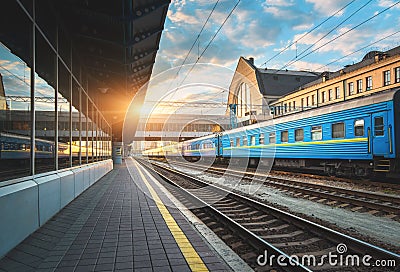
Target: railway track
(256, 231)
(355, 200)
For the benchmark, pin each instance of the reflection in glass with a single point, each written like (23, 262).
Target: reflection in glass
(15, 120)
(44, 106)
(63, 118)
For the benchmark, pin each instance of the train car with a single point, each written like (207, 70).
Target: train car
(18, 147)
(356, 137)
(14, 146)
(206, 146)
(353, 138)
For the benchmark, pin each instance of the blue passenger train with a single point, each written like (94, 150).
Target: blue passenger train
(357, 137)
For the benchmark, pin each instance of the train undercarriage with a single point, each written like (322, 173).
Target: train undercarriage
(379, 167)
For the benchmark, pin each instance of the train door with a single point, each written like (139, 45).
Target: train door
(380, 141)
(218, 145)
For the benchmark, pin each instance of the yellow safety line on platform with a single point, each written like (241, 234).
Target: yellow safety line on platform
(191, 256)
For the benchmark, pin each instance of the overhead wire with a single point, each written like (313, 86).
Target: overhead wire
(358, 50)
(341, 35)
(332, 15)
(209, 43)
(195, 41)
(308, 32)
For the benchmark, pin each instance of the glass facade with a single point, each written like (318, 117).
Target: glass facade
(48, 121)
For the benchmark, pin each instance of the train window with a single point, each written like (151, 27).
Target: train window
(261, 141)
(316, 133)
(284, 136)
(253, 140)
(338, 130)
(359, 127)
(237, 141)
(231, 142)
(244, 140)
(379, 126)
(272, 138)
(299, 135)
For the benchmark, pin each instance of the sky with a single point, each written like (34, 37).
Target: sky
(264, 28)
(261, 29)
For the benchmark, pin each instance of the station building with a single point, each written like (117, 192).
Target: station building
(253, 88)
(376, 72)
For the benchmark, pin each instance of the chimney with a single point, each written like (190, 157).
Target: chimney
(251, 60)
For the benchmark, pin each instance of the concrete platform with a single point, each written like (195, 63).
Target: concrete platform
(116, 225)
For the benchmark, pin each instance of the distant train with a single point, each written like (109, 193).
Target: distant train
(14, 146)
(357, 137)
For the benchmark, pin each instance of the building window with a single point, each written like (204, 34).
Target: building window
(359, 86)
(338, 130)
(369, 83)
(313, 100)
(351, 88)
(261, 141)
(379, 126)
(299, 135)
(330, 94)
(294, 105)
(307, 101)
(337, 92)
(359, 127)
(316, 133)
(244, 140)
(397, 75)
(386, 78)
(272, 138)
(237, 141)
(302, 104)
(243, 100)
(290, 106)
(284, 136)
(323, 98)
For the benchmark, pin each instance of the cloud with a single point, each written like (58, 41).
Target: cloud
(328, 7)
(178, 4)
(387, 3)
(181, 18)
(280, 3)
(306, 66)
